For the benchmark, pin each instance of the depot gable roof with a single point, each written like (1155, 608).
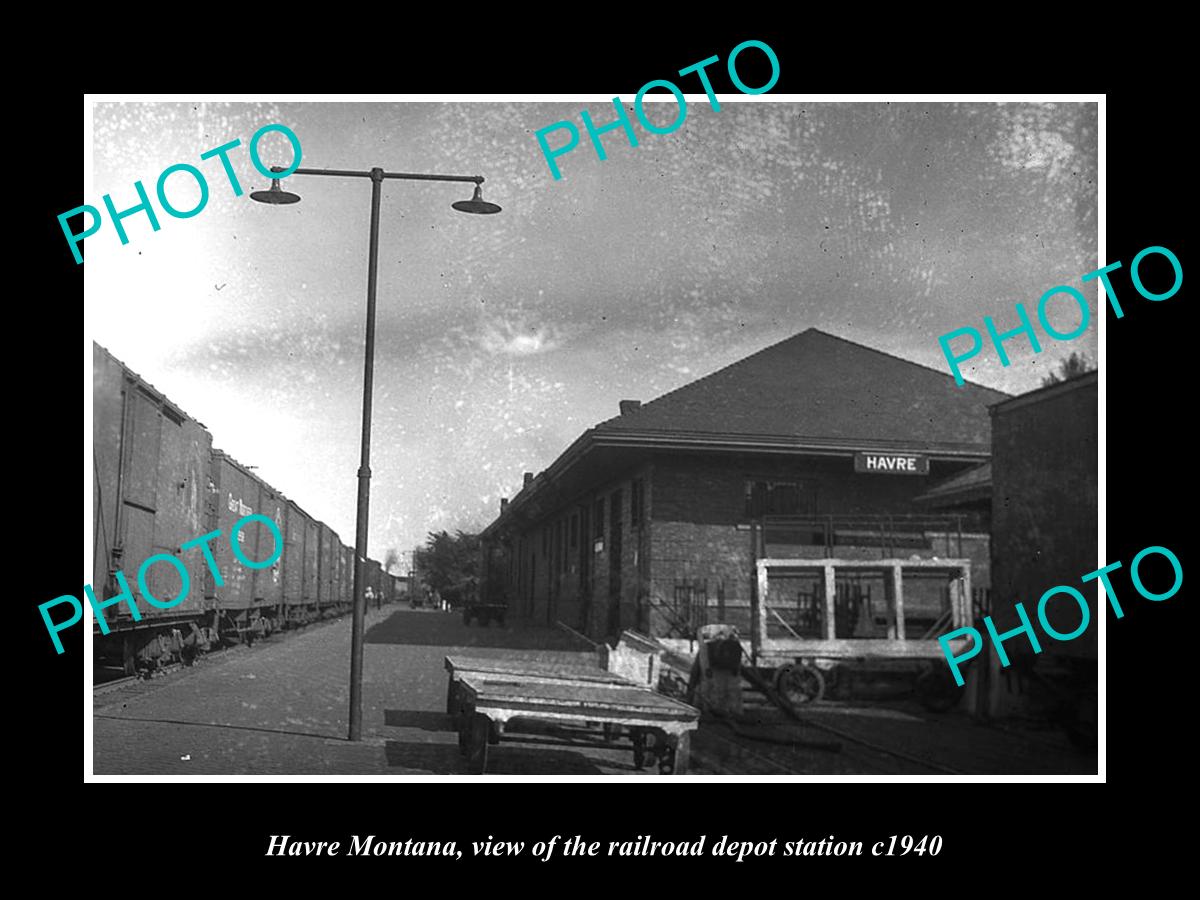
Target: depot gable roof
(810, 393)
(819, 387)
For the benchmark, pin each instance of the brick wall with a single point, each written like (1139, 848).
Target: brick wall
(702, 544)
(1044, 473)
(712, 491)
(694, 541)
(549, 569)
(695, 560)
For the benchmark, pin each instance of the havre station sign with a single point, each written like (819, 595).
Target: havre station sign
(891, 463)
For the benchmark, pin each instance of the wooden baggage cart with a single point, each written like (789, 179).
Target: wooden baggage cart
(526, 670)
(824, 629)
(658, 725)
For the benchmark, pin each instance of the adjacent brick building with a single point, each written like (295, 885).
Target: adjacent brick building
(1044, 497)
(654, 519)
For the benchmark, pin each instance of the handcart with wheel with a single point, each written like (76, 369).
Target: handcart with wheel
(659, 727)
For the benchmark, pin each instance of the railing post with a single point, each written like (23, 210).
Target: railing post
(830, 603)
(968, 611)
(758, 616)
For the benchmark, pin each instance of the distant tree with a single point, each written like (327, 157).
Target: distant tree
(1072, 367)
(447, 562)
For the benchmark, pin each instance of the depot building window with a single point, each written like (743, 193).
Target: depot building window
(775, 498)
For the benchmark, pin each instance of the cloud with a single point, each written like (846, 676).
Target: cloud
(500, 337)
(1030, 138)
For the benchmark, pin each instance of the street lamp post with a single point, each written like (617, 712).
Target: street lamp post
(277, 196)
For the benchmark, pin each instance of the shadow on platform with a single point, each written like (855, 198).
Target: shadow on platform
(522, 730)
(418, 718)
(444, 759)
(223, 725)
(446, 629)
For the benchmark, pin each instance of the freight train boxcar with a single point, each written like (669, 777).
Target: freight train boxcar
(299, 565)
(151, 463)
(158, 485)
(328, 546)
(237, 493)
(312, 553)
(338, 560)
(268, 583)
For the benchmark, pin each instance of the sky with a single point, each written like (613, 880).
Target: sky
(501, 338)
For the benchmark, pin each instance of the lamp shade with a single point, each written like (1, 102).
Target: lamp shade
(275, 195)
(476, 204)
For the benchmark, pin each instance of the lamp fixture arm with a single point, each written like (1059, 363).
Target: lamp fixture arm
(406, 176)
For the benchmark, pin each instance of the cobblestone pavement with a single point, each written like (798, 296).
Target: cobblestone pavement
(280, 708)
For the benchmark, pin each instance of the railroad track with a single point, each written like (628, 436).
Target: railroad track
(868, 754)
(741, 749)
(854, 755)
(116, 684)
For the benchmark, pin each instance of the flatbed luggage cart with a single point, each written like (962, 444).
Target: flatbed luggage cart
(658, 725)
(527, 670)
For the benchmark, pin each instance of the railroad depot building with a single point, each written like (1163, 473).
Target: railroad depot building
(815, 447)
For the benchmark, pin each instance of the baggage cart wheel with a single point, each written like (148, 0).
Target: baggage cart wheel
(681, 762)
(666, 765)
(800, 683)
(478, 731)
(666, 759)
(660, 754)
